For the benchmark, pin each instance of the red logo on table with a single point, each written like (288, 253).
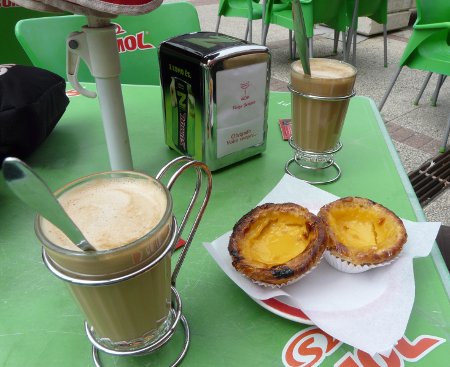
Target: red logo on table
(72, 93)
(311, 346)
(8, 4)
(131, 42)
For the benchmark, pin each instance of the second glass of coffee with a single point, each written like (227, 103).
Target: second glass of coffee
(319, 105)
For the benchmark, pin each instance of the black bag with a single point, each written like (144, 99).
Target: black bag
(32, 101)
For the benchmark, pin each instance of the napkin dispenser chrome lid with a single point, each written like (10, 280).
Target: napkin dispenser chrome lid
(215, 91)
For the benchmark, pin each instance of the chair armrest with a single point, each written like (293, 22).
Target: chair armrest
(432, 25)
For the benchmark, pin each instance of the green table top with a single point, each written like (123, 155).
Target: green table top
(40, 325)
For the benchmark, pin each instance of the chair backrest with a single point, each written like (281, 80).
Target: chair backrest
(332, 13)
(11, 51)
(138, 38)
(249, 9)
(433, 11)
(374, 9)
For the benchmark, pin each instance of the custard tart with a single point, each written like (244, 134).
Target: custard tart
(275, 244)
(362, 232)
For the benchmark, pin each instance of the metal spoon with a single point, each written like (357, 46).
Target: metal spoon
(34, 192)
(300, 36)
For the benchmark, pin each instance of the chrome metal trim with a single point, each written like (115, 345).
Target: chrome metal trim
(54, 268)
(321, 98)
(333, 164)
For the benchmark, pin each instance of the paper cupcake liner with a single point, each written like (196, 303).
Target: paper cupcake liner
(292, 281)
(347, 267)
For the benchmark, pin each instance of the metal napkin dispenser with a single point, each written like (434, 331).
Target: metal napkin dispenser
(215, 91)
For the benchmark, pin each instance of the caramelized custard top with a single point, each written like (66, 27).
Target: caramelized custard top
(275, 239)
(362, 229)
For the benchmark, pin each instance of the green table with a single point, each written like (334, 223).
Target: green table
(40, 325)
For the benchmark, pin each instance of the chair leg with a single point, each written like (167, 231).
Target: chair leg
(250, 27)
(246, 30)
(424, 85)
(447, 133)
(291, 51)
(437, 90)
(336, 41)
(218, 23)
(263, 25)
(294, 48)
(345, 47)
(347, 43)
(388, 91)
(352, 32)
(264, 34)
(354, 47)
(385, 44)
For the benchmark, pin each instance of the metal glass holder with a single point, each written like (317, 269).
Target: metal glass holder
(176, 313)
(316, 161)
(176, 232)
(176, 308)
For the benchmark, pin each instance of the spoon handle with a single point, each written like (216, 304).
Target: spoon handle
(34, 192)
(300, 36)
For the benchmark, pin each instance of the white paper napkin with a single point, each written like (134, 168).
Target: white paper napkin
(370, 310)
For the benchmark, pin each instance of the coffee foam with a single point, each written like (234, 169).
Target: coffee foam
(110, 212)
(327, 69)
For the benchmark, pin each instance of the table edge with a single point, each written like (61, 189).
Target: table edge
(436, 255)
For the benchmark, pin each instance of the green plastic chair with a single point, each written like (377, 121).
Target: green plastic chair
(249, 9)
(434, 97)
(11, 52)
(428, 48)
(138, 38)
(373, 9)
(332, 13)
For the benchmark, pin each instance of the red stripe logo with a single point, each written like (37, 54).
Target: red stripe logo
(8, 4)
(311, 346)
(131, 42)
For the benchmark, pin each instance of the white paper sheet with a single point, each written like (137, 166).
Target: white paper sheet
(370, 310)
(240, 107)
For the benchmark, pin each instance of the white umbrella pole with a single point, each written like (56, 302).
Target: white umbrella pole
(97, 46)
(114, 123)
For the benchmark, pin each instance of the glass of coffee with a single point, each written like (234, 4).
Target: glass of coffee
(319, 103)
(124, 288)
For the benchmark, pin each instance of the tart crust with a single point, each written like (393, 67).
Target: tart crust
(277, 243)
(362, 232)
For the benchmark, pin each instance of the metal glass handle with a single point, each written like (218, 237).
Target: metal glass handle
(202, 169)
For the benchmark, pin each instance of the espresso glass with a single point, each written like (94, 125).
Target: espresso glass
(319, 103)
(124, 292)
